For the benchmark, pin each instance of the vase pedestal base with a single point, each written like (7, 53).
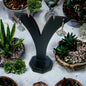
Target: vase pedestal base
(41, 65)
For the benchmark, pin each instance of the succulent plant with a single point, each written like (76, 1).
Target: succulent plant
(6, 40)
(16, 67)
(19, 66)
(61, 51)
(8, 67)
(33, 5)
(70, 41)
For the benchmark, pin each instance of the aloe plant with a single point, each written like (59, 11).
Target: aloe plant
(6, 39)
(33, 5)
(70, 41)
(61, 51)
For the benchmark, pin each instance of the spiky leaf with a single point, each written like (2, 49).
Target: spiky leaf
(12, 32)
(61, 51)
(8, 35)
(2, 34)
(19, 42)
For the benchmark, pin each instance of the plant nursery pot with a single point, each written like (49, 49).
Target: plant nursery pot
(76, 65)
(40, 84)
(73, 82)
(16, 53)
(6, 81)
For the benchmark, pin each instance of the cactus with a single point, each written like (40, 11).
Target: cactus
(6, 39)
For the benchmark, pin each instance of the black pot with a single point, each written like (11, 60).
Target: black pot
(6, 81)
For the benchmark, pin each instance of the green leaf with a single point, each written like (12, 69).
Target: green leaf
(8, 35)
(19, 66)
(6, 47)
(19, 42)
(2, 33)
(12, 32)
(33, 5)
(8, 67)
(3, 52)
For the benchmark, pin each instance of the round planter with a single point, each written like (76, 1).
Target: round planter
(40, 84)
(76, 20)
(76, 65)
(6, 81)
(61, 62)
(16, 53)
(15, 5)
(12, 11)
(73, 82)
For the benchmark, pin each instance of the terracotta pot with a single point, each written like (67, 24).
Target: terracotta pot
(40, 84)
(73, 82)
(4, 79)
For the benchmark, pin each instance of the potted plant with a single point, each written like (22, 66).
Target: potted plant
(71, 52)
(40, 84)
(16, 67)
(75, 9)
(15, 7)
(68, 82)
(10, 48)
(33, 6)
(6, 81)
(15, 4)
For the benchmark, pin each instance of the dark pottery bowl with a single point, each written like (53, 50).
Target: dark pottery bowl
(73, 82)
(40, 84)
(6, 81)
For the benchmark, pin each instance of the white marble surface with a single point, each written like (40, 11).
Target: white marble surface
(58, 72)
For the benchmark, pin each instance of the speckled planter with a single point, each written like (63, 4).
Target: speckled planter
(73, 82)
(6, 81)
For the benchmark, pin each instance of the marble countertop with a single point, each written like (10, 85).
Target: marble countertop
(58, 72)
